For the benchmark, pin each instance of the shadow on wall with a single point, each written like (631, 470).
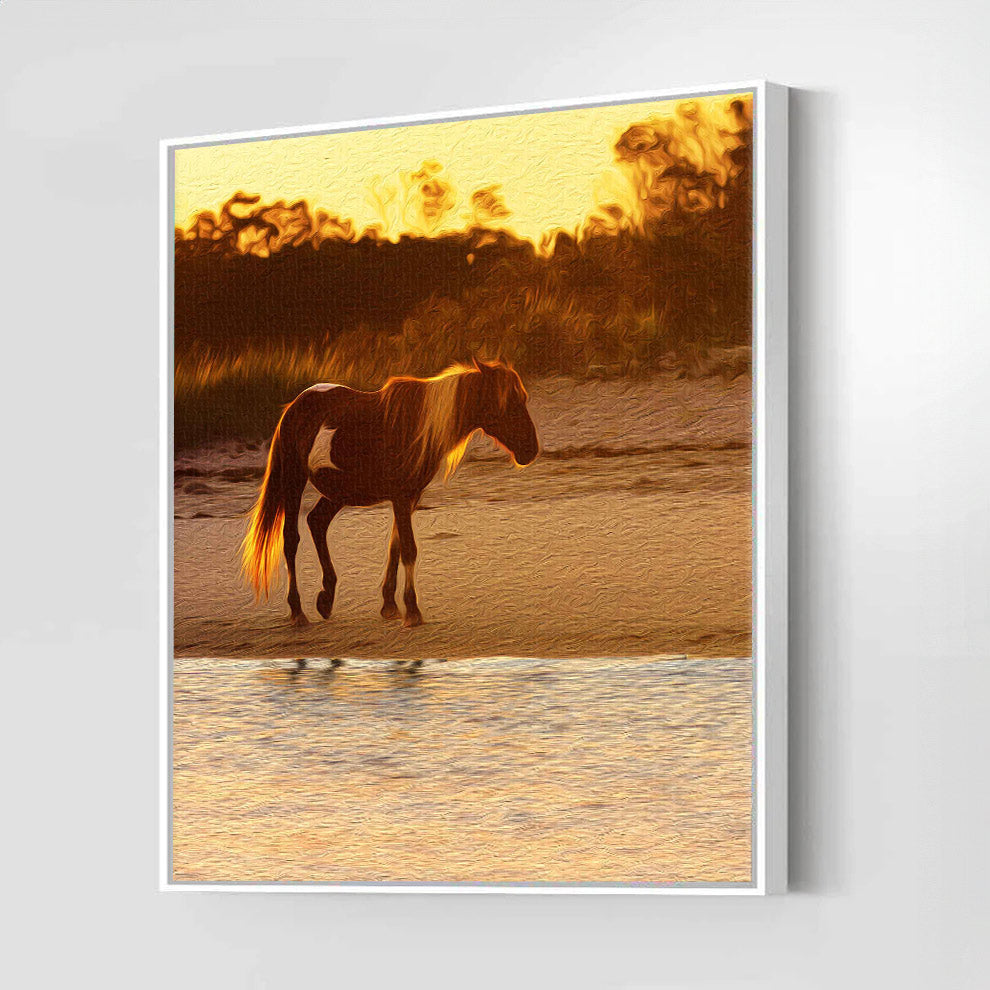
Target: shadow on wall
(818, 737)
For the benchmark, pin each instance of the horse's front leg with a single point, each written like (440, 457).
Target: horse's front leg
(389, 609)
(407, 550)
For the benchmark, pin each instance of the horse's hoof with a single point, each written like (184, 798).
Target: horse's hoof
(324, 604)
(390, 611)
(412, 619)
(299, 620)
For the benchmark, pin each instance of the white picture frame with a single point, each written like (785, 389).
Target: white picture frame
(770, 518)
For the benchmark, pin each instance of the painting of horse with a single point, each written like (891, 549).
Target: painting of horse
(462, 507)
(362, 448)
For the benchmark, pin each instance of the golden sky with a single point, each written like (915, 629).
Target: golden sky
(553, 167)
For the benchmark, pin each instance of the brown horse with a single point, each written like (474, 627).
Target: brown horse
(362, 448)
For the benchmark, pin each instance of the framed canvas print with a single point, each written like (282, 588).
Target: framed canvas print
(474, 500)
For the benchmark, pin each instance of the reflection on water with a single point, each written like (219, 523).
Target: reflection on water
(486, 770)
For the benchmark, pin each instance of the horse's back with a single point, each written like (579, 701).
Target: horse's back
(335, 427)
(319, 406)
(327, 401)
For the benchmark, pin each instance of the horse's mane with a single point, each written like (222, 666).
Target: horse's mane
(430, 410)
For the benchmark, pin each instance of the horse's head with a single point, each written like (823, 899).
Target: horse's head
(502, 413)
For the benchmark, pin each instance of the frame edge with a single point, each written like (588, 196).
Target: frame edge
(771, 252)
(773, 274)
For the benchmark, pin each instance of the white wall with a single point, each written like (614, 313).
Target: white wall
(890, 491)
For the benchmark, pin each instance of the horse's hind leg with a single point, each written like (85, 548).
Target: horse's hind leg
(319, 519)
(389, 609)
(290, 537)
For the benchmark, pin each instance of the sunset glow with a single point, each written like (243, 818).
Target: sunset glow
(529, 173)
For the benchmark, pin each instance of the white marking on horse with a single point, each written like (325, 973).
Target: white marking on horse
(320, 452)
(322, 387)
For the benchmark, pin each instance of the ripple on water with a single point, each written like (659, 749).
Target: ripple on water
(482, 770)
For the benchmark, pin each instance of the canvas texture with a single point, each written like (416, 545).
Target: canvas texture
(462, 501)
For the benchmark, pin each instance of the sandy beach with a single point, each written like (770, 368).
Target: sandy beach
(629, 536)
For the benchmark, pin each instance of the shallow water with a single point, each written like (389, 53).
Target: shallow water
(625, 770)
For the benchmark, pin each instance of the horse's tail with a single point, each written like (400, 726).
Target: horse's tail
(262, 545)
